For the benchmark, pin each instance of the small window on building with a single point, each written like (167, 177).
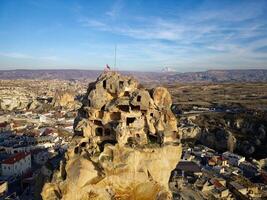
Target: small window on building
(151, 114)
(129, 120)
(138, 98)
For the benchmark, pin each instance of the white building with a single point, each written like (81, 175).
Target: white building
(3, 188)
(17, 164)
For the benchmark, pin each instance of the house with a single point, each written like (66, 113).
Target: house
(219, 169)
(40, 156)
(188, 169)
(17, 164)
(232, 158)
(246, 190)
(238, 189)
(219, 191)
(249, 170)
(207, 186)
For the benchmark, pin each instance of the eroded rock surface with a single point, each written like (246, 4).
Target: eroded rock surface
(126, 144)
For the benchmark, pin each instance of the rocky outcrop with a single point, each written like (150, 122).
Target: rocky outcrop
(189, 132)
(218, 139)
(67, 100)
(115, 109)
(14, 100)
(125, 146)
(117, 173)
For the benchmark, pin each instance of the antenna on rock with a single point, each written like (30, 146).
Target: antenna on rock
(115, 57)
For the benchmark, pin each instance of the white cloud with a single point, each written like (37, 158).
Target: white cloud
(93, 23)
(18, 55)
(15, 55)
(115, 9)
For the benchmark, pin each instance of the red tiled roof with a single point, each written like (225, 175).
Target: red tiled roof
(216, 183)
(15, 158)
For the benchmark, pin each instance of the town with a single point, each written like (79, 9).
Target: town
(31, 147)
(36, 129)
(206, 174)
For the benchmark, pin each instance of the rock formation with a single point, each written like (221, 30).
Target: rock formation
(125, 147)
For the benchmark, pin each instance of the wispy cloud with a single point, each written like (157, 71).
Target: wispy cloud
(94, 23)
(18, 55)
(115, 9)
(207, 36)
(15, 55)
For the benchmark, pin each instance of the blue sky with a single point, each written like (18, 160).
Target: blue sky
(190, 35)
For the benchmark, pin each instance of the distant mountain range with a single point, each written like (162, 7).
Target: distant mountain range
(255, 75)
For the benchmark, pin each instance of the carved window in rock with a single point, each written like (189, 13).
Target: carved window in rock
(107, 132)
(126, 94)
(135, 108)
(125, 108)
(138, 98)
(115, 116)
(98, 122)
(103, 108)
(99, 131)
(104, 84)
(83, 144)
(121, 84)
(130, 120)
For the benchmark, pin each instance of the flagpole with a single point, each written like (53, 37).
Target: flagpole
(115, 57)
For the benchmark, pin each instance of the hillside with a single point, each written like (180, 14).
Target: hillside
(258, 75)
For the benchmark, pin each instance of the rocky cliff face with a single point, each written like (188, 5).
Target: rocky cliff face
(20, 99)
(126, 144)
(242, 133)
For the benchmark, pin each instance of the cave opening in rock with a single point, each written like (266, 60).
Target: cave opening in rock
(121, 84)
(124, 108)
(138, 98)
(115, 116)
(104, 84)
(135, 108)
(126, 94)
(107, 132)
(98, 122)
(99, 131)
(129, 120)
